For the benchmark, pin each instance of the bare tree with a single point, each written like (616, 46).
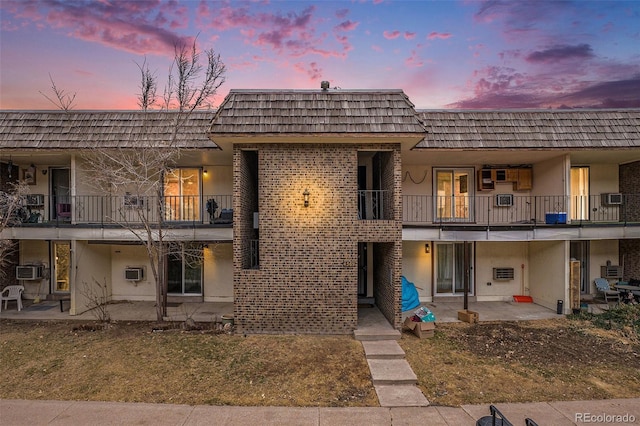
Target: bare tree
(12, 213)
(137, 168)
(61, 99)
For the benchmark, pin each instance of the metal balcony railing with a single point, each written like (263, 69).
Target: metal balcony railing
(374, 205)
(126, 209)
(509, 210)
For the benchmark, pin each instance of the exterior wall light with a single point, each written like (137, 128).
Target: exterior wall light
(306, 194)
(427, 248)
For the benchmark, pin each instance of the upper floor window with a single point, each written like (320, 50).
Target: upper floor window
(182, 194)
(452, 190)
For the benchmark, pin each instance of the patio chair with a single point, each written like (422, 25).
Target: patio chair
(11, 292)
(63, 210)
(603, 287)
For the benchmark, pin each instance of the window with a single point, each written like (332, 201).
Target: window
(450, 268)
(579, 193)
(182, 194)
(184, 271)
(452, 191)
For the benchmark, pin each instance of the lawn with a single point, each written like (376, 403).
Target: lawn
(563, 359)
(131, 362)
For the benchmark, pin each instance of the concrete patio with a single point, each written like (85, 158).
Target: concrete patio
(488, 311)
(122, 311)
(446, 311)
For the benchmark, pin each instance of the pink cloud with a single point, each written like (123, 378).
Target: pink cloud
(311, 69)
(414, 61)
(346, 26)
(390, 35)
(290, 33)
(436, 35)
(342, 13)
(138, 27)
(409, 35)
(561, 53)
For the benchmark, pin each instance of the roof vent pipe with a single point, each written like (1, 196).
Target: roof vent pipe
(324, 85)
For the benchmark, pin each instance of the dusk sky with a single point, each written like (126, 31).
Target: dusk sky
(496, 54)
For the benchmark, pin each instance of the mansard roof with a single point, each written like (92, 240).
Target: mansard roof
(104, 129)
(530, 129)
(316, 112)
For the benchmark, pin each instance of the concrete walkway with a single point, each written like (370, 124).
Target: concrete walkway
(34, 413)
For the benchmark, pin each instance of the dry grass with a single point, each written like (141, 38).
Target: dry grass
(528, 361)
(132, 363)
(463, 364)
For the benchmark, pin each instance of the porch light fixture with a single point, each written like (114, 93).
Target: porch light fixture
(305, 195)
(205, 172)
(427, 248)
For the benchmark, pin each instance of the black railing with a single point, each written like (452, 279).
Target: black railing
(374, 205)
(510, 209)
(126, 209)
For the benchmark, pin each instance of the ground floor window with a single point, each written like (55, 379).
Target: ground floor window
(184, 271)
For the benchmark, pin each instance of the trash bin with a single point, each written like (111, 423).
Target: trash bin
(559, 309)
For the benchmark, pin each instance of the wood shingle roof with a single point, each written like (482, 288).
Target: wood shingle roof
(105, 129)
(318, 112)
(561, 129)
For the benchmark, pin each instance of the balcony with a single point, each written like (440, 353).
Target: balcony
(126, 210)
(519, 210)
(374, 205)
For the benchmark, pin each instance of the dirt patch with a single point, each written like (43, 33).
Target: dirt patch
(524, 362)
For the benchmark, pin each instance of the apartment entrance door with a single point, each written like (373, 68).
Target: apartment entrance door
(61, 266)
(579, 250)
(450, 269)
(60, 206)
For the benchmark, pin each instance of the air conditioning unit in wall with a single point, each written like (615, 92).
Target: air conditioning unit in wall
(29, 272)
(134, 274)
(611, 199)
(35, 200)
(503, 274)
(504, 200)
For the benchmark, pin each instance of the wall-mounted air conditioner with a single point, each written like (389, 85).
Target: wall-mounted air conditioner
(611, 271)
(611, 199)
(34, 200)
(134, 274)
(503, 274)
(133, 201)
(29, 272)
(504, 200)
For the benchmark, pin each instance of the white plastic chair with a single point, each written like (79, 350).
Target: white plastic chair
(11, 292)
(603, 287)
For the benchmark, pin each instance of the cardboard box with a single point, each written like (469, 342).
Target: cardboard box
(421, 329)
(468, 316)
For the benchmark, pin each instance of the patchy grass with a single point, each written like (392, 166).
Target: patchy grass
(527, 361)
(130, 362)
(575, 358)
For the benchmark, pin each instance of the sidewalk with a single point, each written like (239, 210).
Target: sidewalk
(34, 413)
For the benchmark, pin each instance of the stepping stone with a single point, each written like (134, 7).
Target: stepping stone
(383, 349)
(391, 372)
(400, 396)
(376, 334)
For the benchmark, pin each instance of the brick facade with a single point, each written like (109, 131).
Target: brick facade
(630, 249)
(307, 276)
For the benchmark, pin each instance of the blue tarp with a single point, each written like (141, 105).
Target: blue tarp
(410, 298)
